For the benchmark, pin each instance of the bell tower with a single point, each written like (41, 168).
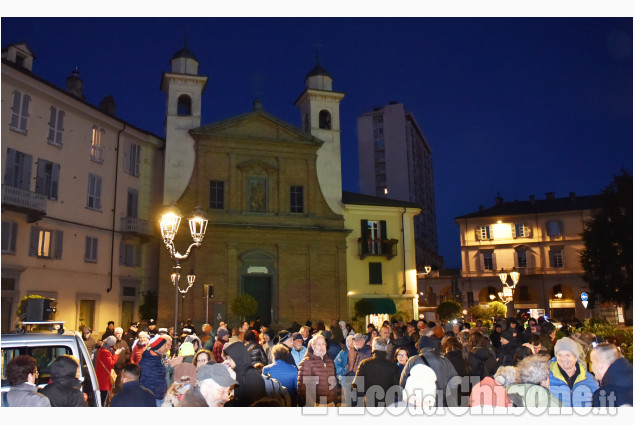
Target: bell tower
(183, 88)
(320, 112)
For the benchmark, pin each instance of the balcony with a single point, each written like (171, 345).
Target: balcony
(31, 203)
(132, 226)
(377, 247)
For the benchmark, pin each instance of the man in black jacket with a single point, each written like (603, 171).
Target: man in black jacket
(132, 394)
(64, 389)
(377, 378)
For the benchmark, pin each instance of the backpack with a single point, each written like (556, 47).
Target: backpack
(276, 390)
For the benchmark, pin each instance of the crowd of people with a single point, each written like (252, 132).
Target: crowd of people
(419, 364)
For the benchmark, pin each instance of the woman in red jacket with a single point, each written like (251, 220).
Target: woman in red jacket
(106, 359)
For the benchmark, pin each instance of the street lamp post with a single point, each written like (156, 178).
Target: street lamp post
(509, 297)
(170, 221)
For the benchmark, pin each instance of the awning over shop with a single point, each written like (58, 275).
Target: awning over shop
(382, 305)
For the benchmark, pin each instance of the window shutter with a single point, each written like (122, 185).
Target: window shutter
(122, 252)
(15, 109)
(39, 178)
(33, 241)
(27, 163)
(515, 259)
(530, 259)
(25, 111)
(59, 239)
(514, 230)
(494, 261)
(527, 231)
(95, 246)
(55, 181)
(60, 127)
(14, 236)
(365, 235)
(98, 193)
(382, 230)
(137, 164)
(562, 253)
(137, 260)
(126, 157)
(481, 258)
(477, 233)
(374, 274)
(9, 166)
(52, 120)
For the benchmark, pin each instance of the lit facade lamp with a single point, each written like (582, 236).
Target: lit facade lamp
(507, 295)
(170, 221)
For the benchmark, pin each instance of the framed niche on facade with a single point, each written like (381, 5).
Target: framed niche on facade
(257, 194)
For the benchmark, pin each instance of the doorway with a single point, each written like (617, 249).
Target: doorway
(259, 287)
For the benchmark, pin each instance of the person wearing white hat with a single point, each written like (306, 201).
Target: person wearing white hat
(569, 380)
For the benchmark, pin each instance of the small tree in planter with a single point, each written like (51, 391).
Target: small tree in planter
(243, 306)
(449, 310)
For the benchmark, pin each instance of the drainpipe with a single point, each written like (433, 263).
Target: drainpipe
(403, 238)
(114, 211)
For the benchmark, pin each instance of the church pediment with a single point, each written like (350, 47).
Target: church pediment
(256, 125)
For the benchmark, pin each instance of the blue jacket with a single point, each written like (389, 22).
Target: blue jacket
(298, 355)
(583, 388)
(341, 361)
(286, 373)
(133, 395)
(153, 374)
(617, 382)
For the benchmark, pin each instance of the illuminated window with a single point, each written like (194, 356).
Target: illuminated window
(45, 243)
(97, 145)
(484, 233)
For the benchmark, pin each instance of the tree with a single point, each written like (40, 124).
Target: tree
(496, 309)
(150, 307)
(244, 305)
(362, 308)
(449, 310)
(607, 257)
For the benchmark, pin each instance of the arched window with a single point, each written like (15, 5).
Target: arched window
(325, 119)
(184, 105)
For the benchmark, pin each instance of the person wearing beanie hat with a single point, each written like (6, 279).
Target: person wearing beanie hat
(569, 380)
(153, 371)
(505, 353)
(222, 336)
(105, 361)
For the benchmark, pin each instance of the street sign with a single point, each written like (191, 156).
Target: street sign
(585, 303)
(584, 297)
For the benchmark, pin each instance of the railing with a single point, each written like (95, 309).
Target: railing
(23, 199)
(135, 225)
(384, 247)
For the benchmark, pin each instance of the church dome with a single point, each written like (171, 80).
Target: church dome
(318, 71)
(185, 53)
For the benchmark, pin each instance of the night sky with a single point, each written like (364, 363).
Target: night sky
(516, 106)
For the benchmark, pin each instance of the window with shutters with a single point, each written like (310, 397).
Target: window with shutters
(132, 210)
(17, 171)
(130, 254)
(484, 233)
(90, 253)
(521, 230)
(556, 257)
(97, 145)
(487, 260)
(94, 192)
(132, 158)
(47, 180)
(296, 199)
(554, 228)
(521, 258)
(19, 112)
(374, 274)
(374, 240)
(46, 243)
(217, 195)
(56, 127)
(9, 236)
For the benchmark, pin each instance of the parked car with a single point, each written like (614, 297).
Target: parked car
(45, 346)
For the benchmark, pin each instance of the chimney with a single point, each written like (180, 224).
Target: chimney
(499, 200)
(550, 195)
(74, 84)
(481, 208)
(572, 196)
(257, 105)
(108, 105)
(532, 199)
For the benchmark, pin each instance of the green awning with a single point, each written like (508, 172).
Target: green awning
(382, 305)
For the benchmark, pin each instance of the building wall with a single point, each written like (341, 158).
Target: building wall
(70, 278)
(396, 271)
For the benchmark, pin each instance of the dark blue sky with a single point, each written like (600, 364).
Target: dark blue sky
(516, 106)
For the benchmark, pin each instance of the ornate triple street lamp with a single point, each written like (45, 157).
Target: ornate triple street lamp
(170, 221)
(507, 295)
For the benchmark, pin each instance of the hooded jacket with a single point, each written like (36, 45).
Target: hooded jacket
(617, 382)
(251, 385)
(583, 388)
(482, 362)
(64, 391)
(153, 374)
(442, 368)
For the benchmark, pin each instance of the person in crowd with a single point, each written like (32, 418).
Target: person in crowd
(305, 332)
(509, 344)
(131, 334)
(547, 338)
(452, 350)
(532, 328)
(110, 330)
(338, 333)
(316, 376)
(385, 332)
(105, 361)
(413, 332)
(267, 343)
(533, 342)
(64, 389)
(256, 352)
(22, 375)
(349, 330)
(401, 358)
(332, 347)
(184, 378)
(569, 380)
(615, 375)
(222, 337)
(298, 349)
(209, 336)
(212, 389)
(124, 357)
(153, 370)
(194, 340)
(421, 388)
(89, 341)
(355, 356)
(251, 386)
(442, 368)
(152, 330)
(203, 357)
(132, 393)
(190, 327)
(521, 352)
(284, 371)
(495, 336)
(377, 372)
(532, 388)
(341, 360)
(491, 390)
(138, 347)
(481, 358)
(400, 339)
(428, 338)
